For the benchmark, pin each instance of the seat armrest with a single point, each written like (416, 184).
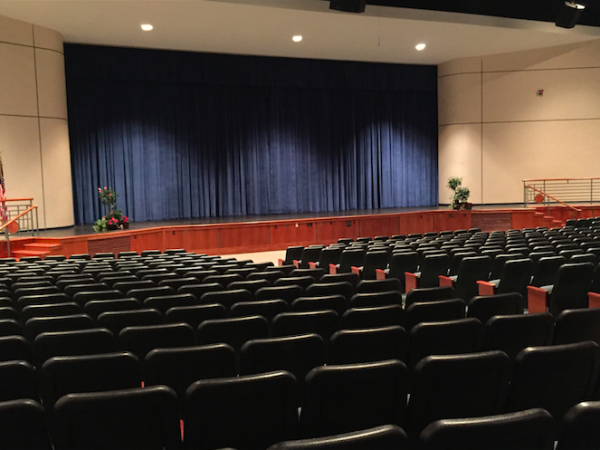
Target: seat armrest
(356, 270)
(312, 265)
(296, 263)
(446, 281)
(380, 274)
(280, 262)
(411, 280)
(537, 299)
(333, 268)
(486, 288)
(593, 300)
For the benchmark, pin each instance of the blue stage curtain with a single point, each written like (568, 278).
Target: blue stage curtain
(190, 135)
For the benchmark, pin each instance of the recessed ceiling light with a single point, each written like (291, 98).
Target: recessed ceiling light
(297, 38)
(420, 47)
(147, 27)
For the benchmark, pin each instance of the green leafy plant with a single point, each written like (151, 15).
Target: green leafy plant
(108, 196)
(460, 194)
(100, 225)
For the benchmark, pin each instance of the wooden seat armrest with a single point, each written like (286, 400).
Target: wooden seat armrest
(537, 299)
(312, 265)
(446, 281)
(593, 300)
(380, 274)
(332, 269)
(411, 281)
(296, 263)
(355, 270)
(280, 262)
(486, 288)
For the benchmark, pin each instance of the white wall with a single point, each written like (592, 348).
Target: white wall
(34, 138)
(495, 131)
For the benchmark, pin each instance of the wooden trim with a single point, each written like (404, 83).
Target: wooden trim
(593, 300)
(411, 281)
(486, 288)
(28, 199)
(446, 281)
(380, 274)
(537, 299)
(355, 270)
(332, 269)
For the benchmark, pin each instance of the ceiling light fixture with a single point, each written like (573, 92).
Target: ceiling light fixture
(569, 14)
(297, 38)
(147, 27)
(420, 47)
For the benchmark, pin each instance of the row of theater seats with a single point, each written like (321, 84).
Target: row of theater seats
(476, 262)
(343, 369)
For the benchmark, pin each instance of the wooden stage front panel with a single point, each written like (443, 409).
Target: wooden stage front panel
(246, 237)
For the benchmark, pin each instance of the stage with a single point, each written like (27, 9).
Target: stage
(268, 233)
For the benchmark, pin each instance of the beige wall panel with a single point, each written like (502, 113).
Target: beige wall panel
(463, 65)
(579, 55)
(17, 80)
(459, 99)
(568, 94)
(516, 151)
(52, 91)
(47, 38)
(15, 31)
(20, 150)
(56, 164)
(459, 155)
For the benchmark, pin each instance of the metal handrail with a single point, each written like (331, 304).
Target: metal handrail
(554, 199)
(4, 227)
(568, 190)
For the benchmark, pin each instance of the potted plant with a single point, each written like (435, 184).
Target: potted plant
(460, 194)
(114, 218)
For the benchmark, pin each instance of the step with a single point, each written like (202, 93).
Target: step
(21, 253)
(42, 246)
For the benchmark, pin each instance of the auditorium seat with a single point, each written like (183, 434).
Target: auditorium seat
(199, 273)
(38, 325)
(115, 321)
(195, 315)
(233, 331)
(112, 420)
(14, 348)
(10, 327)
(82, 297)
(570, 290)
(329, 255)
(287, 293)
(323, 323)
(110, 280)
(515, 277)
(532, 429)
(297, 354)
(246, 412)
(270, 275)
(434, 311)
(23, 425)
(351, 257)
(579, 429)
(250, 285)
(266, 308)
(226, 298)
(444, 338)
(337, 303)
(428, 276)
(373, 260)
(350, 277)
(72, 343)
(64, 375)
(178, 368)
(96, 307)
(554, 378)
(323, 289)
(17, 380)
(471, 270)
(165, 302)
(456, 386)
(485, 307)
(376, 299)
(142, 339)
(386, 437)
(302, 281)
(200, 289)
(315, 273)
(388, 284)
(50, 310)
(368, 345)
(352, 397)
(429, 294)
(373, 317)
(292, 254)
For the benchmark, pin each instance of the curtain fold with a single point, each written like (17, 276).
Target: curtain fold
(188, 135)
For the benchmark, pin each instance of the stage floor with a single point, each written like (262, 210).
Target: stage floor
(82, 230)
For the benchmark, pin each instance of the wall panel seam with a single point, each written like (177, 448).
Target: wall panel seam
(458, 73)
(541, 120)
(542, 70)
(32, 46)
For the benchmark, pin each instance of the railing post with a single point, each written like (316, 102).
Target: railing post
(7, 242)
(37, 222)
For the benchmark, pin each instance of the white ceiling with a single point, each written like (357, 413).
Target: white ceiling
(265, 27)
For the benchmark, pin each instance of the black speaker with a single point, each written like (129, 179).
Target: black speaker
(354, 6)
